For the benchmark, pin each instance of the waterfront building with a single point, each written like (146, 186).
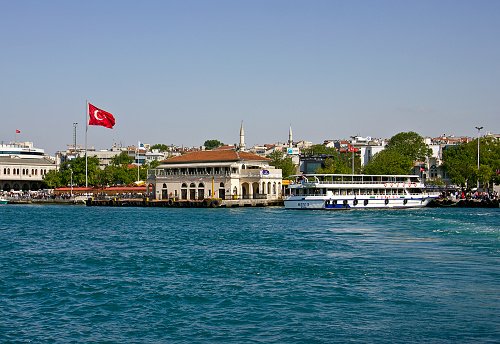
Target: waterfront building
(22, 166)
(223, 173)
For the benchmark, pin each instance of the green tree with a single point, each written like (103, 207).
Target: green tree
(161, 147)
(122, 159)
(283, 162)
(334, 166)
(53, 179)
(460, 162)
(388, 162)
(400, 153)
(409, 144)
(78, 168)
(320, 149)
(211, 144)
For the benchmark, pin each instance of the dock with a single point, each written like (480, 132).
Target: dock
(171, 203)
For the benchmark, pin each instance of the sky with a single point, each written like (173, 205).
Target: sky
(182, 72)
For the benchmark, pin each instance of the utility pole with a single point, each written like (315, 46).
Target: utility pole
(74, 138)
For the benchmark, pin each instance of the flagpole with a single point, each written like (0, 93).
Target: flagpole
(86, 131)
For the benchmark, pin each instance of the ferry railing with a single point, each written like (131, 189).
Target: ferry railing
(360, 182)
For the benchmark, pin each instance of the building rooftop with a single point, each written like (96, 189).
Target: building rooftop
(215, 155)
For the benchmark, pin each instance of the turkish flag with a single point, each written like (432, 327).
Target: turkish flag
(18, 131)
(100, 117)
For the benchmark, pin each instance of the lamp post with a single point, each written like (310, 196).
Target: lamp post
(478, 146)
(71, 194)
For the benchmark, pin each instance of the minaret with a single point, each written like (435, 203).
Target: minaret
(242, 138)
(290, 140)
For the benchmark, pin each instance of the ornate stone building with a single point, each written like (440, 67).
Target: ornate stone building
(225, 173)
(22, 167)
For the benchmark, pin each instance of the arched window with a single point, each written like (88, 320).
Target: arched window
(221, 185)
(184, 185)
(201, 185)
(192, 185)
(164, 185)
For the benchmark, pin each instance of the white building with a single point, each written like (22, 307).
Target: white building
(22, 166)
(226, 174)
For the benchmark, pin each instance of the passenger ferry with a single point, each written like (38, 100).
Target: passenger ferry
(359, 191)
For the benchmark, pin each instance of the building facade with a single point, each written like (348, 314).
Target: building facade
(226, 174)
(22, 166)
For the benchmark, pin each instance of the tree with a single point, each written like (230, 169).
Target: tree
(74, 170)
(78, 168)
(283, 162)
(320, 149)
(53, 179)
(388, 162)
(460, 162)
(399, 155)
(409, 144)
(161, 147)
(122, 159)
(211, 144)
(334, 166)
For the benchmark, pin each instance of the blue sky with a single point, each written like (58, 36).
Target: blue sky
(186, 71)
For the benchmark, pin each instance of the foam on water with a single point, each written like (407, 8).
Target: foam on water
(147, 275)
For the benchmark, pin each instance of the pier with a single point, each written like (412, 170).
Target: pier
(171, 203)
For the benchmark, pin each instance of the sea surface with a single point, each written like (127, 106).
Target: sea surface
(76, 274)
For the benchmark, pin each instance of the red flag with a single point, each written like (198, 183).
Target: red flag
(100, 117)
(18, 131)
(352, 149)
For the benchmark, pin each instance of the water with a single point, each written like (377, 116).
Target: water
(76, 274)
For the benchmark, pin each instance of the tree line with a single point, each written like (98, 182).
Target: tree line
(119, 172)
(398, 157)
(400, 154)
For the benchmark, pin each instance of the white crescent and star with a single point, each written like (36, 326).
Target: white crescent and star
(96, 117)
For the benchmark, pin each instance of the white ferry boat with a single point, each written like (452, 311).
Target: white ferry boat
(359, 191)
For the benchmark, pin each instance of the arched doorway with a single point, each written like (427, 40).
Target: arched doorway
(222, 191)
(184, 192)
(164, 192)
(255, 190)
(192, 191)
(201, 191)
(245, 190)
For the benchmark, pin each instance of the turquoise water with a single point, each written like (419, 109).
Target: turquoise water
(76, 274)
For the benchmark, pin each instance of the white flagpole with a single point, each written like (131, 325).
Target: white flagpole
(86, 130)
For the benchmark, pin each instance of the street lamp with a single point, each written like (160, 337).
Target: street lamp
(71, 195)
(478, 146)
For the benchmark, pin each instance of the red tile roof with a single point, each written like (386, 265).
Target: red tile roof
(215, 155)
(223, 147)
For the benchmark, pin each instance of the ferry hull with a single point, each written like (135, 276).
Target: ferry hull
(358, 203)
